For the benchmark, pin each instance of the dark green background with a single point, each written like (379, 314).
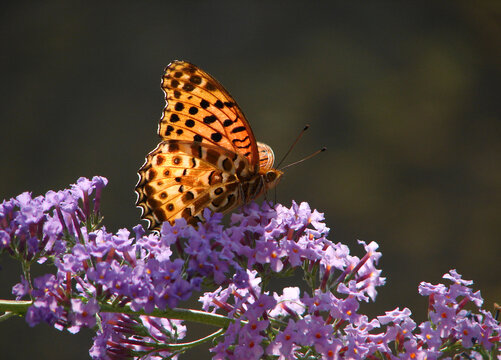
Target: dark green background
(405, 95)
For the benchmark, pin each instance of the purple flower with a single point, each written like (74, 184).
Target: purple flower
(356, 347)
(21, 289)
(101, 243)
(331, 350)
(456, 278)
(285, 343)
(83, 314)
(430, 336)
(444, 315)
(427, 289)
(69, 263)
(98, 182)
(288, 303)
(323, 301)
(396, 316)
(315, 332)
(121, 240)
(249, 346)
(468, 331)
(241, 278)
(53, 229)
(53, 198)
(31, 210)
(46, 306)
(44, 310)
(4, 239)
(269, 253)
(336, 256)
(263, 304)
(412, 351)
(99, 347)
(352, 290)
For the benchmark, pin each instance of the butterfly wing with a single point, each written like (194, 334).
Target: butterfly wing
(208, 158)
(181, 178)
(200, 109)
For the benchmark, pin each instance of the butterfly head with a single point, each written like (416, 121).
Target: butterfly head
(271, 178)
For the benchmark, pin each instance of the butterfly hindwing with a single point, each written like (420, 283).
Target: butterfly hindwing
(181, 178)
(200, 109)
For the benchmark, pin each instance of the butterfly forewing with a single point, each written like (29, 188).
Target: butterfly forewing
(200, 109)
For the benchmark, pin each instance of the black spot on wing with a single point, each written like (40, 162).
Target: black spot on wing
(188, 87)
(195, 79)
(238, 129)
(204, 104)
(239, 143)
(216, 136)
(210, 86)
(210, 177)
(210, 119)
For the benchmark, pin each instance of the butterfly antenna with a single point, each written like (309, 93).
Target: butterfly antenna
(293, 144)
(306, 158)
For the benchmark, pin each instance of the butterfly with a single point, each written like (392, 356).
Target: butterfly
(208, 156)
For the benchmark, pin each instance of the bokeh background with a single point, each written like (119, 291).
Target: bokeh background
(405, 95)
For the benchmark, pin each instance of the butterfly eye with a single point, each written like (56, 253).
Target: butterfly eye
(270, 176)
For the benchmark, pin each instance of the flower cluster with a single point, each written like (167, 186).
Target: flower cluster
(128, 286)
(35, 228)
(326, 326)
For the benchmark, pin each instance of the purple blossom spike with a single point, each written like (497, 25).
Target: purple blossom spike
(109, 281)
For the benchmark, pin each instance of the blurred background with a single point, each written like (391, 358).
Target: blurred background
(406, 97)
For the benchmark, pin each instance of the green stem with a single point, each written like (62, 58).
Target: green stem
(198, 316)
(18, 307)
(6, 316)
(191, 344)
(26, 271)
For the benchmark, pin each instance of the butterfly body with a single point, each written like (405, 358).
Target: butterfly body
(208, 158)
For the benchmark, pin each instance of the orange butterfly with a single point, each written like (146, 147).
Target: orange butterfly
(208, 156)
